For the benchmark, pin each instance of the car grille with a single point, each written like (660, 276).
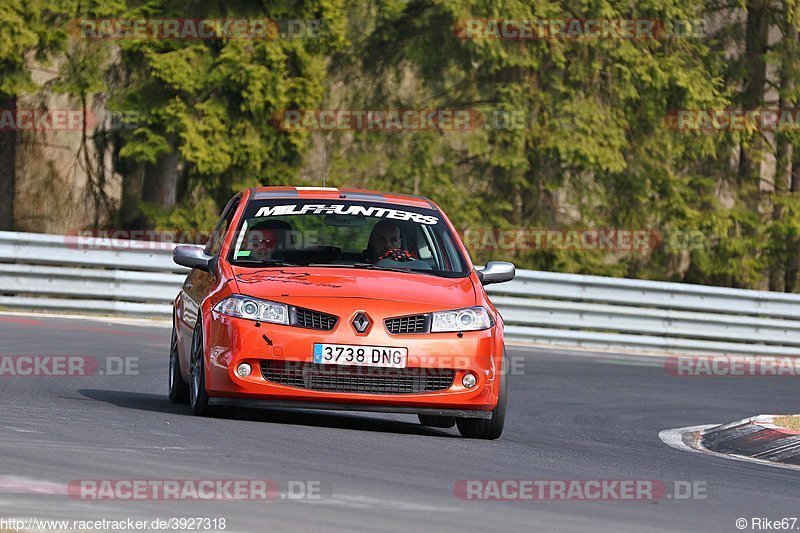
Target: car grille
(306, 318)
(340, 378)
(408, 324)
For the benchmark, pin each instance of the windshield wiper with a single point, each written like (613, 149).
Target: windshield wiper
(264, 262)
(370, 266)
(332, 265)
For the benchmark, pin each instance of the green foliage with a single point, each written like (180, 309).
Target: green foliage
(594, 148)
(214, 101)
(597, 152)
(29, 28)
(197, 213)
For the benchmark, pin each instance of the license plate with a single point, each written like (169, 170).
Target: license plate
(348, 354)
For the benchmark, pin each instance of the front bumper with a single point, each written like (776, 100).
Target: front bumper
(232, 341)
(283, 404)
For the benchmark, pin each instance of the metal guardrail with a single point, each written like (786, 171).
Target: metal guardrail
(87, 275)
(79, 274)
(596, 311)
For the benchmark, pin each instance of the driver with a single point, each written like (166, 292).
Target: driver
(385, 243)
(263, 238)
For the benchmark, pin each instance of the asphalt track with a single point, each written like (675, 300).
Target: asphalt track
(572, 416)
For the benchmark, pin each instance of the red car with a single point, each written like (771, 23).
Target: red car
(324, 298)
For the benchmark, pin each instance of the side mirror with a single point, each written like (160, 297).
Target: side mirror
(497, 272)
(194, 257)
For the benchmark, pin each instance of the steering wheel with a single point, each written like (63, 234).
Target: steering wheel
(396, 254)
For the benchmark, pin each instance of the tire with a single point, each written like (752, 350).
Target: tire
(491, 428)
(178, 389)
(435, 421)
(198, 397)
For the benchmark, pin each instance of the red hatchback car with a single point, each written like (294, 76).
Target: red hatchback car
(324, 298)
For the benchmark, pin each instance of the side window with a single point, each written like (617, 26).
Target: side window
(215, 243)
(423, 245)
(432, 246)
(451, 256)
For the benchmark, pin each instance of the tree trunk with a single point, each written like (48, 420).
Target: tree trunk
(130, 216)
(783, 176)
(156, 183)
(792, 183)
(752, 97)
(8, 168)
(783, 172)
(161, 181)
(793, 263)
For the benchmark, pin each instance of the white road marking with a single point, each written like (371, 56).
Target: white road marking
(21, 430)
(24, 485)
(650, 359)
(629, 362)
(599, 351)
(358, 501)
(95, 448)
(146, 322)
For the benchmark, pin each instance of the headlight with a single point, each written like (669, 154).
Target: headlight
(240, 306)
(470, 319)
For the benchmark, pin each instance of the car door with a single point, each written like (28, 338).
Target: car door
(199, 283)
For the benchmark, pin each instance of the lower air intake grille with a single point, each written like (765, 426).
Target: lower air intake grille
(339, 378)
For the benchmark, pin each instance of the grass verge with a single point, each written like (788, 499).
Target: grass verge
(788, 421)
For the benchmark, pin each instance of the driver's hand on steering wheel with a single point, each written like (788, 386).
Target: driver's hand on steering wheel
(396, 254)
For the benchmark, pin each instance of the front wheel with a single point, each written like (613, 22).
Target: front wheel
(490, 428)
(198, 397)
(178, 389)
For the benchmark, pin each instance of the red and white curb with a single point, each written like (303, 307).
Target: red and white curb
(753, 440)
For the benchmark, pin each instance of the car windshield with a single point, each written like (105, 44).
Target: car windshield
(346, 234)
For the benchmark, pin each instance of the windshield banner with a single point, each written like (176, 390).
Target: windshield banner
(339, 209)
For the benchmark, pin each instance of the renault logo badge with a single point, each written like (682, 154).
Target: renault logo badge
(361, 322)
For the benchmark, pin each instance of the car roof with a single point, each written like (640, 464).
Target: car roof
(336, 193)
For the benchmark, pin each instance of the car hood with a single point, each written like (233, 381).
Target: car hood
(323, 282)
